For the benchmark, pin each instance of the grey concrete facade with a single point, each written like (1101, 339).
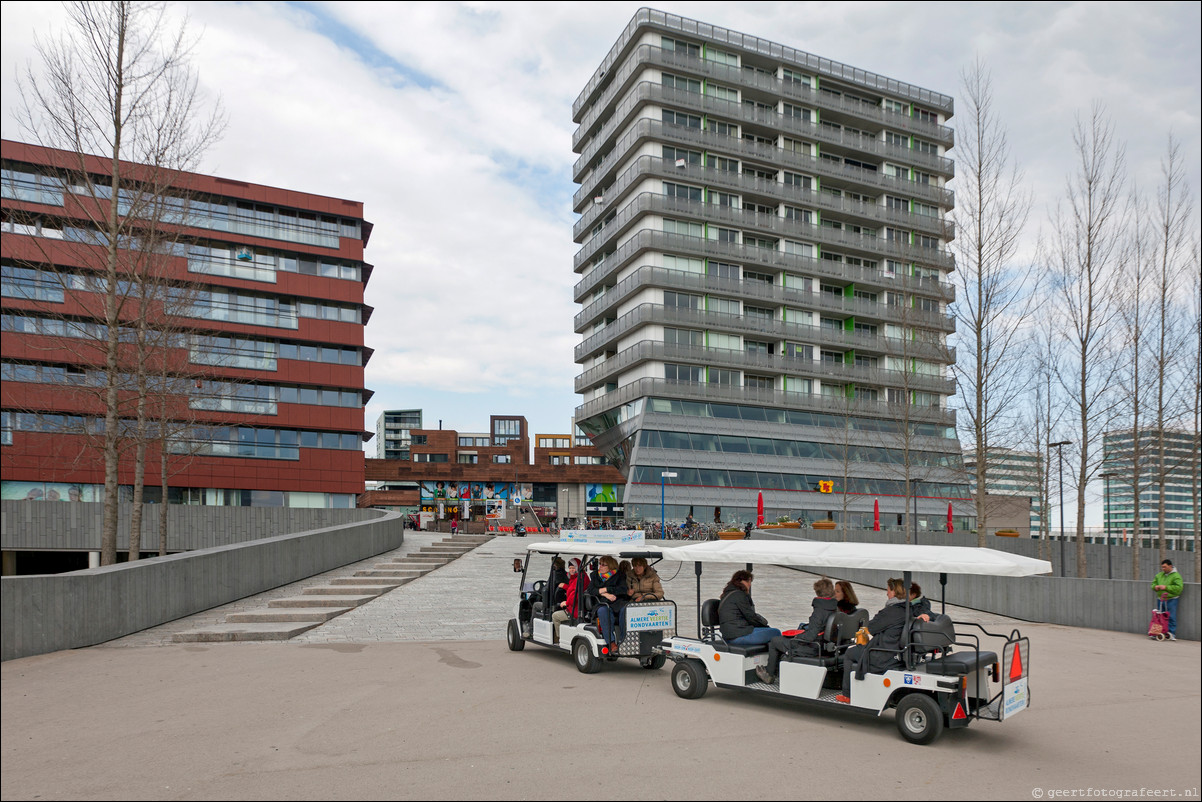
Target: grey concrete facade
(76, 526)
(47, 613)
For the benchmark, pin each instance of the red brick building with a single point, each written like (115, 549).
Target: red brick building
(273, 351)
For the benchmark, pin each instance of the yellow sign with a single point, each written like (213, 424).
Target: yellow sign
(826, 486)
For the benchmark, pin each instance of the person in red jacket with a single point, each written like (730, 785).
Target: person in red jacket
(572, 589)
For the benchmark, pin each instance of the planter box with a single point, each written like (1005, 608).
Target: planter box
(1006, 533)
(787, 525)
(730, 535)
(823, 525)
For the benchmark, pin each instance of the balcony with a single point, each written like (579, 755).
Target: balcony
(777, 364)
(662, 388)
(777, 330)
(775, 294)
(648, 240)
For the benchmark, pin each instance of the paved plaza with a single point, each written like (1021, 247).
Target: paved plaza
(415, 695)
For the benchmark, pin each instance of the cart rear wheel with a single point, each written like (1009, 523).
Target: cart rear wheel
(919, 719)
(514, 636)
(689, 679)
(655, 662)
(582, 654)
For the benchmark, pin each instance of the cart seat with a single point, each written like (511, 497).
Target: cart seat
(711, 635)
(961, 662)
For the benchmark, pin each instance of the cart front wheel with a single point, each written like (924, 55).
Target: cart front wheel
(514, 637)
(689, 679)
(582, 654)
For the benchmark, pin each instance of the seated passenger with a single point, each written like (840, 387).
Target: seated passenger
(566, 609)
(559, 578)
(846, 597)
(609, 586)
(643, 581)
(886, 630)
(805, 644)
(919, 604)
(738, 621)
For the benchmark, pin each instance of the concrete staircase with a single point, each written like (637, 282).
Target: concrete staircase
(288, 617)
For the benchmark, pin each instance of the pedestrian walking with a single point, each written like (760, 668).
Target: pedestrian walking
(1167, 586)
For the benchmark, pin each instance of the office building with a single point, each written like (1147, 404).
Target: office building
(1009, 475)
(1181, 467)
(763, 279)
(260, 396)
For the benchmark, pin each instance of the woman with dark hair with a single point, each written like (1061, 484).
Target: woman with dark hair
(919, 604)
(806, 643)
(740, 624)
(566, 609)
(845, 597)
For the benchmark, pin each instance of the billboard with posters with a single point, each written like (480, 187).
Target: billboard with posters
(50, 491)
(474, 492)
(603, 493)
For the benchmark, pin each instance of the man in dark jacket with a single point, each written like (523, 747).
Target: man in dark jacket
(738, 621)
(805, 644)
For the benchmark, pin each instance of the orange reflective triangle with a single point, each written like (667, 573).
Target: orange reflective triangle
(959, 711)
(1016, 668)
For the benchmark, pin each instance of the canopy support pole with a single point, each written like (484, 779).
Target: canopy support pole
(943, 588)
(697, 570)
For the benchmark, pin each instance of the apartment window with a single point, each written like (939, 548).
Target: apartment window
(680, 118)
(681, 155)
(796, 112)
(897, 235)
(684, 228)
(468, 459)
(926, 179)
(502, 459)
(723, 270)
(799, 215)
(897, 204)
(726, 378)
(758, 312)
(900, 140)
(419, 439)
(926, 116)
(724, 234)
(894, 106)
(796, 146)
(725, 199)
(926, 209)
(795, 78)
(722, 92)
(682, 373)
(832, 357)
(799, 351)
(683, 48)
(761, 208)
(722, 163)
(928, 242)
(721, 57)
(430, 458)
(761, 242)
(725, 342)
(684, 337)
(866, 394)
(833, 290)
(507, 426)
(794, 384)
(802, 182)
(684, 263)
(866, 361)
(757, 348)
(759, 172)
(897, 171)
(864, 295)
(766, 278)
(759, 382)
(724, 129)
(683, 191)
(726, 306)
(926, 304)
(926, 147)
(684, 84)
(832, 324)
(681, 300)
(799, 248)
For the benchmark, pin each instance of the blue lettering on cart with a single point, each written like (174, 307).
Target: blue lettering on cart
(687, 648)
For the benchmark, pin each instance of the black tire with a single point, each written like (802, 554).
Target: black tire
(919, 719)
(582, 655)
(513, 636)
(689, 679)
(655, 662)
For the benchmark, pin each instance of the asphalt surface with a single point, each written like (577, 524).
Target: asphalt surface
(415, 696)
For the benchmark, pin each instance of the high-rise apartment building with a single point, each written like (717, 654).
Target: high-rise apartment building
(1181, 463)
(261, 394)
(393, 428)
(763, 283)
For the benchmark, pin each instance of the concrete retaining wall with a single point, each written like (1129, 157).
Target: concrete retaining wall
(1119, 605)
(76, 526)
(40, 614)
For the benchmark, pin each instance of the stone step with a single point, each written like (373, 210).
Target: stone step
(273, 615)
(244, 632)
(391, 573)
(374, 581)
(429, 552)
(336, 590)
(350, 598)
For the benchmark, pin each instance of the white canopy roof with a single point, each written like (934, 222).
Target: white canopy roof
(884, 556)
(615, 550)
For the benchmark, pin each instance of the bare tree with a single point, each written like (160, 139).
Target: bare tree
(1173, 216)
(995, 296)
(117, 85)
(1082, 257)
(1195, 412)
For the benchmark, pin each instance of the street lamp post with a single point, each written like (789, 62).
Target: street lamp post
(1106, 523)
(1060, 492)
(567, 498)
(663, 477)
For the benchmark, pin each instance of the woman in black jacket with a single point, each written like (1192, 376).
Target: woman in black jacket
(740, 624)
(886, 630)
(610, 587)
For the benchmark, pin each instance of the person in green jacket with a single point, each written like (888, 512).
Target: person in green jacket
(1168, 586)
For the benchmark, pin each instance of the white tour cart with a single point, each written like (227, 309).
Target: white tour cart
(942, 676)
(647, 624)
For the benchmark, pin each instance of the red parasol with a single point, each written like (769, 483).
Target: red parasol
(759, 510)
(949, 517)
(876, 515)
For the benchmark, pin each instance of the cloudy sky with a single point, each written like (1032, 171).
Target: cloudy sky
(452, 123)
